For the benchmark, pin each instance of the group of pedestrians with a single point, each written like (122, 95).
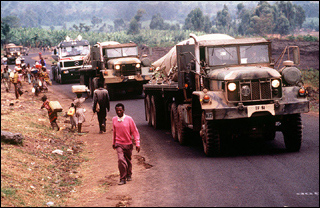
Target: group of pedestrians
(124, 127)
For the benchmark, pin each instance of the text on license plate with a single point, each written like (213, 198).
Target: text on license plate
(259, 108)
(130, 77)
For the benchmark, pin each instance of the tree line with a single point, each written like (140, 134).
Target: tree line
(281, 18)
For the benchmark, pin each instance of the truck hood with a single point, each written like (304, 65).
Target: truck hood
(240, 73)
(127, 60)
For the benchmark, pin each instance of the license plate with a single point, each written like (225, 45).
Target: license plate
(209, 116)
(260, 108)
(131, 77)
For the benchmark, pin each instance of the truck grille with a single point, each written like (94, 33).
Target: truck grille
(127, 70)
(253, 90)
(73, 63)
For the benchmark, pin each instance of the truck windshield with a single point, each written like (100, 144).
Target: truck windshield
(75, 50)
(254, 54)
(121, 52)
(222, 56)
(14, 49)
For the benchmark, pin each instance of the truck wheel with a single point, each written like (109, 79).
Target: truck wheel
(292, 132)
(210, 137)
(62, 81)
(147, 109)
(91, 87)
(174, 119)
(82, 80)
(182, 134)
(155, 112)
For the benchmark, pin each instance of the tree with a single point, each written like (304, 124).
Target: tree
(134, 26)
(5, 33)
(223, 19)
(194, 20)
(12, 21)
(244, 25)
(207, 24)
(157, 22)
(283, 26)
(119, 24)
(95, 21)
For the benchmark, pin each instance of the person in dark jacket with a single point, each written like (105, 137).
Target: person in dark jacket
(101, 99)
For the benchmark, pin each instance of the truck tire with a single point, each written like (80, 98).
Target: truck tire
(53, 72)
(93, 84)
(183, 130)
(155, 112)
(147, 109)
(82, 82)
(292, 132)
(111, 92)
(210, 137)
(174, 119)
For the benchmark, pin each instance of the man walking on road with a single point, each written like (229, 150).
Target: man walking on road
(123, 129)
(100, 105)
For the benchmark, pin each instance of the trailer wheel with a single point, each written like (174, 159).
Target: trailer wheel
(292, 132)
(210, 137)
(174, 119)
(182, 134)
(147, 109)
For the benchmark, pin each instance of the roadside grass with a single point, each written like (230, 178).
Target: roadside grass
(310, 78)
(31, 175)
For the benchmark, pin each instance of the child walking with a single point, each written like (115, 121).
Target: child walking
(52, 115)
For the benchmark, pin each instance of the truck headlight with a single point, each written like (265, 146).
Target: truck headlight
(65, 71)
(137, 65)
(275, 83)
(232, 86)
(117, 67)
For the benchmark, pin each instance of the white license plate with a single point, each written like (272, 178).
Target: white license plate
(260, 108)
(131, 77)
(209, 116)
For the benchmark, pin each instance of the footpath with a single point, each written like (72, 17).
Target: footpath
(99, 173)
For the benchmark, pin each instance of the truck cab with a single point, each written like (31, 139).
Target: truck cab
(12, 52)
(117, 65)
(69, 55)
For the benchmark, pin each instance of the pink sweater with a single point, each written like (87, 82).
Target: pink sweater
(122, 131)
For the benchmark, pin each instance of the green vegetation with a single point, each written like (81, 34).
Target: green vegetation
(151, 23)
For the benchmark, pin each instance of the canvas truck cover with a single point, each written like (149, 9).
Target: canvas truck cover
(169, 60)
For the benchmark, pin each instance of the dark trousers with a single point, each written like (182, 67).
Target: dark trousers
(124, 160)
(102, 118)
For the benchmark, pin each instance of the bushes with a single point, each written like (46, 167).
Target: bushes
(36, 37)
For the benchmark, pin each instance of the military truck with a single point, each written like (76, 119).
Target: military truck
(12, 52)
(69, 55)
(116, 65)
(222, 90)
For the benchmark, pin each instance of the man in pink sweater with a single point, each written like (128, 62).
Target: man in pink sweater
(123, 130)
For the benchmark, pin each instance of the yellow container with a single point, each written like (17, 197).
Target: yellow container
(55, 106)
(71, 111)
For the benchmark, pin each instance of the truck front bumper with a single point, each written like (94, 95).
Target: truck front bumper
(242, 111)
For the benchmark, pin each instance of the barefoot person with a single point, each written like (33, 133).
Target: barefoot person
(123, 129)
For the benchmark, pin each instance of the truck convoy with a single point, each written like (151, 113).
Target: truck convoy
(69, 55)
(224, 89)
(116, 65)
(12, 52)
